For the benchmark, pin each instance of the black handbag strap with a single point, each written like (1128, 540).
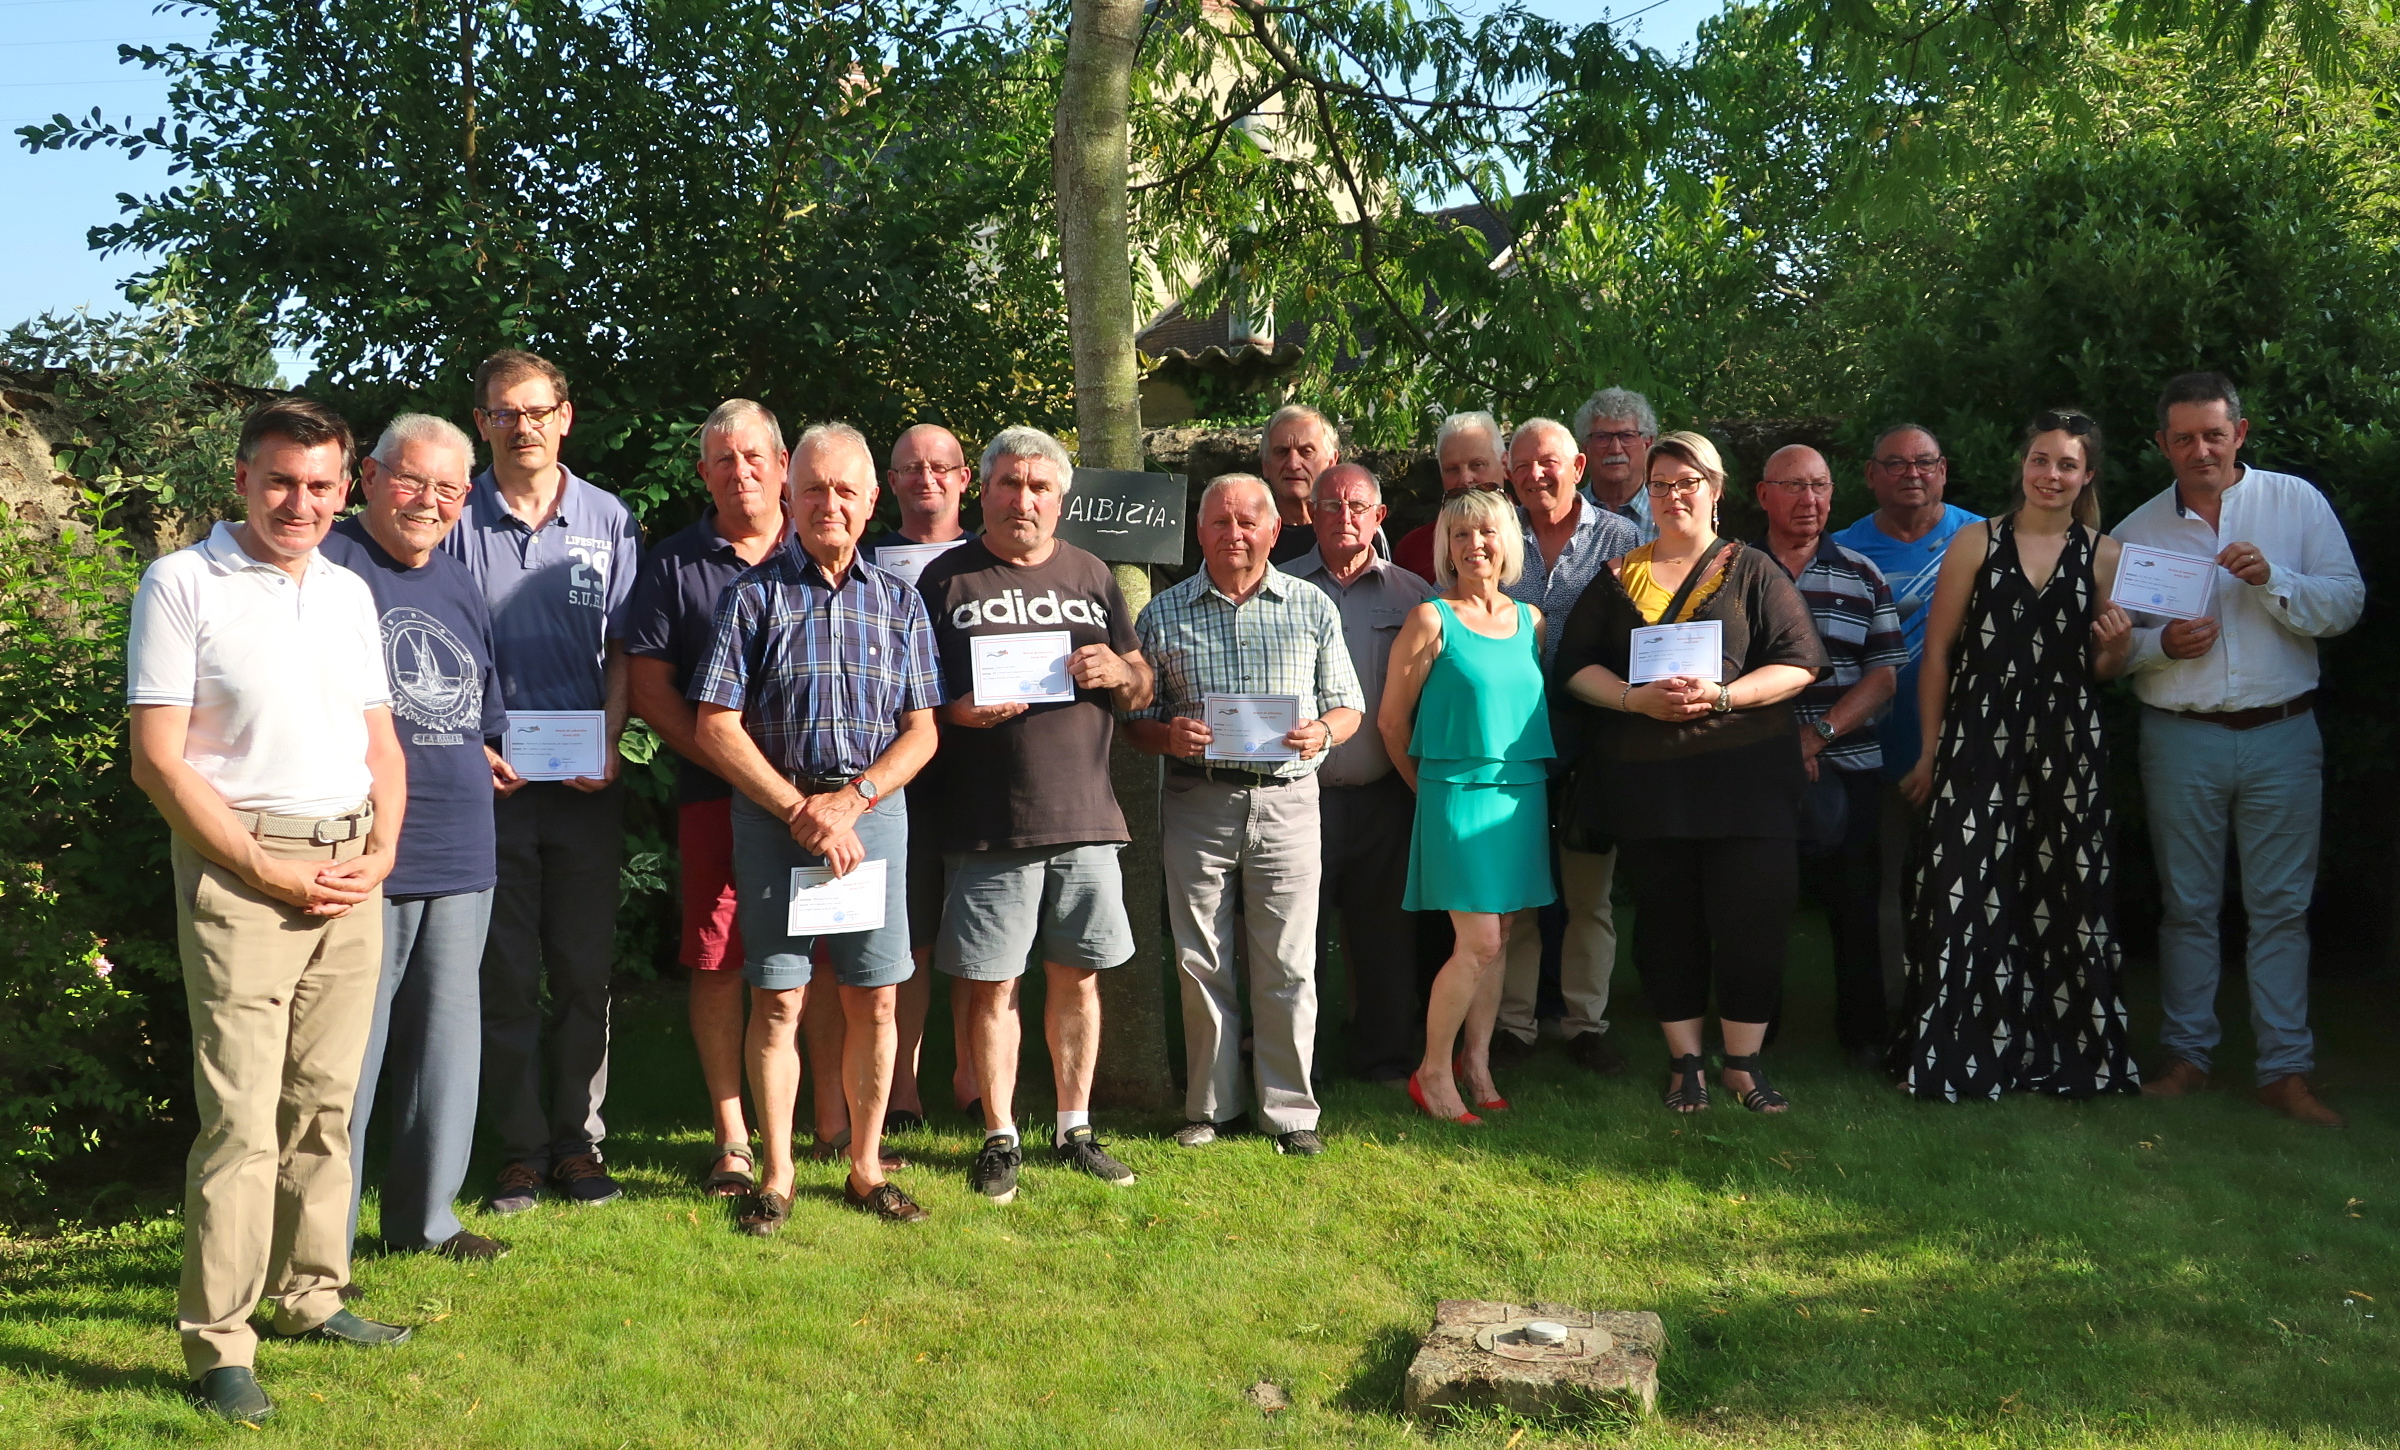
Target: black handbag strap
(1723, 559)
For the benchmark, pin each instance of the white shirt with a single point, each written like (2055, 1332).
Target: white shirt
(2266, 649)
(279, 674)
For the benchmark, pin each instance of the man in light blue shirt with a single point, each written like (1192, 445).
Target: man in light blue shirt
(1616, 427)
(556, 559)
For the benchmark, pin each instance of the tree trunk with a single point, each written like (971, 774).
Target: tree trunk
(1090, 147)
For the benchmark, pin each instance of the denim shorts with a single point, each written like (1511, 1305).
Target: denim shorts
(1068, 898)
(764, 854)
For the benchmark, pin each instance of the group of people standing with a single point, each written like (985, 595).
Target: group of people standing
(378, 905)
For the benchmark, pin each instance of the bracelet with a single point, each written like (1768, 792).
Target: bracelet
(1724, 704)
(1621, 699)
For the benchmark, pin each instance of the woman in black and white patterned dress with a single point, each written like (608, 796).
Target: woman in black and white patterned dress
(2013, 962)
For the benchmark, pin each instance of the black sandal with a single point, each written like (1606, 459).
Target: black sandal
(1762, 1097)
(1686, 1093)
(768, 1212)
(731, 1182)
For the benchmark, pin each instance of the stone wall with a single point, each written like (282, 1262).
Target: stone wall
(32, 428)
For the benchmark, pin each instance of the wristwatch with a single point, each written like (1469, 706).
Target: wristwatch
(1824, 729)
(866, 790)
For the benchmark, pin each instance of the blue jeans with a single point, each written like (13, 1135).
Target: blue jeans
(429, 1032)
(2263, 791)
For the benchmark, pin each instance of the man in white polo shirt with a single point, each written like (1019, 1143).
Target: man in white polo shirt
(262, 731)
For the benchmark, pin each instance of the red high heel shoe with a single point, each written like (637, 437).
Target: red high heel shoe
(1458, 1073)
(1417, 1095)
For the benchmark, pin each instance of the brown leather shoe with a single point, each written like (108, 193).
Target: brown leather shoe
(2291, 1097)
(2181, 1079)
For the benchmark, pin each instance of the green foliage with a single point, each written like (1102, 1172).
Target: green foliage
(91, 1034)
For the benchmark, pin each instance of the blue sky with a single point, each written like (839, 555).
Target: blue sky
(61, 55)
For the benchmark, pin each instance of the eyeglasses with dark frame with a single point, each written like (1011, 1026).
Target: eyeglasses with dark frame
(1661, 487)
(505, 418)
(1621, 436)
(2064, 420)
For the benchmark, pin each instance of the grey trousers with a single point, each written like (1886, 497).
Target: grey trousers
(1365, 842)
(554, 917)
(1212, 835)
(428, 1033)
(1587, 958)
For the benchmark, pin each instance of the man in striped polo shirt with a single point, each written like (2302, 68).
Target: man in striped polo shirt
(1852, 607)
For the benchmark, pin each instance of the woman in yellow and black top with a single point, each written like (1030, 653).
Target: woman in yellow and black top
(1699, 782)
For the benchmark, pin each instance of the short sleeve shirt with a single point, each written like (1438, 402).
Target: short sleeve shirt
(673, 617)
(278, 674)
(1285, 639)
(1910, 568)
(1860, 630)
(1040, 778)
(821, 673)
(437, 653)
(558, 595)
(1373, 607)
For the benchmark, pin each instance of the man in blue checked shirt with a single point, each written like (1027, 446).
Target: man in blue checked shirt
(817, 703)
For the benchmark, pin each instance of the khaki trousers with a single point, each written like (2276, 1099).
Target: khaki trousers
(1587, 957)
(281, 1004)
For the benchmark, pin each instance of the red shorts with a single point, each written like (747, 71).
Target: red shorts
(712, 939)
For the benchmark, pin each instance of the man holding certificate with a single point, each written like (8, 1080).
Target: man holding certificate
(555, 558)
(816, 702)
(2227, 672)
(1038, 650)
(1254, 685)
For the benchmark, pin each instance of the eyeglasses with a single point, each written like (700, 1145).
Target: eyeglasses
(2065, 420)
(1923, 463)
(409, 485)
(929, 470)
(1660, 488)
(1357, 508)
(1625, 437)
(1802, 485)
(506, 418)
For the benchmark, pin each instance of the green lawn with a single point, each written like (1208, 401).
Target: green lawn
(1867, 1271)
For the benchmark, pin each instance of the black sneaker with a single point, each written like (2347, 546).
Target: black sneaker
(520, 1184)
(995, 1172)
(1300, 1143)
(469, 1248)
(1509, 1050)
(1593, 1052)
(347, 1328)
(1082, 1152)
(232, 1393)
(580, 1179)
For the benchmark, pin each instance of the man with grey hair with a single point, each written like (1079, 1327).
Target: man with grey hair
(426, 1044)
(1298, 444)
(1366, 810)
(1471, 453)
(669, 627)
(1240, 648)
(1030, 827)
(1568, 540)
(1616, 427)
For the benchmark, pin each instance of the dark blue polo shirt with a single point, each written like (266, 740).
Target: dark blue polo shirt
(673, 617)
(437, 652)
(557, 596)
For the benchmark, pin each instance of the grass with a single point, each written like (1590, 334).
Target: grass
(1867, 1271)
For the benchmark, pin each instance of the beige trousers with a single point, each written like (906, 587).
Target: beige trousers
(1587, 958)
(281, 1004)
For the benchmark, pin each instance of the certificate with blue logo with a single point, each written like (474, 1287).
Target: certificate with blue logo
(558, 744)
(2153, 581)
(823, 904)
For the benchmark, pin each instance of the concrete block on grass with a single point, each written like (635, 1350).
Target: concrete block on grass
(1478, 1355)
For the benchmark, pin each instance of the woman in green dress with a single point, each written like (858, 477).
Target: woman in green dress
(1464, 720)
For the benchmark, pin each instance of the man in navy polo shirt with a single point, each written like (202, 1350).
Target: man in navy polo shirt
(437, 903)
(668, 631)
(556, 559)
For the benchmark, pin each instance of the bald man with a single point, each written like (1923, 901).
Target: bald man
(1842, 866)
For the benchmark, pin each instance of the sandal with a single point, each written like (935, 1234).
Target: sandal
(837, 1148)
(1686, 1092)
(1762, 1097)
(768, 1212)
(731, 1182)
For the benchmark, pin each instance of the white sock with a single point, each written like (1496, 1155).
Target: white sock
(1005, 1130)
(1070, 1118)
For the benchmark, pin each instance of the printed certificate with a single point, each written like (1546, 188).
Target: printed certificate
(2152, 581)
(823, 904)
(909, 560)
(1031, 668)
(557, 744)
(1696, 649)
(1250, 727)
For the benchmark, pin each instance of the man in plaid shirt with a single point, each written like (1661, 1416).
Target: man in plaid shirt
(1853, 610)
(817, 700)
(1243, 627)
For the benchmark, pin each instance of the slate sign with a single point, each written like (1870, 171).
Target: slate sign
(1125, 517)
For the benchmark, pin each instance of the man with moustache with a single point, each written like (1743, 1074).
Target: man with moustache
(1240, 626)
(670, 625)
(1568, 541)
(1298, 445)
(816, 702)
(1471, 453)
(262, 731)
(426, 1044)
(1855, 620)
(1030, 827)
(1617, 427)
(1365, 808)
